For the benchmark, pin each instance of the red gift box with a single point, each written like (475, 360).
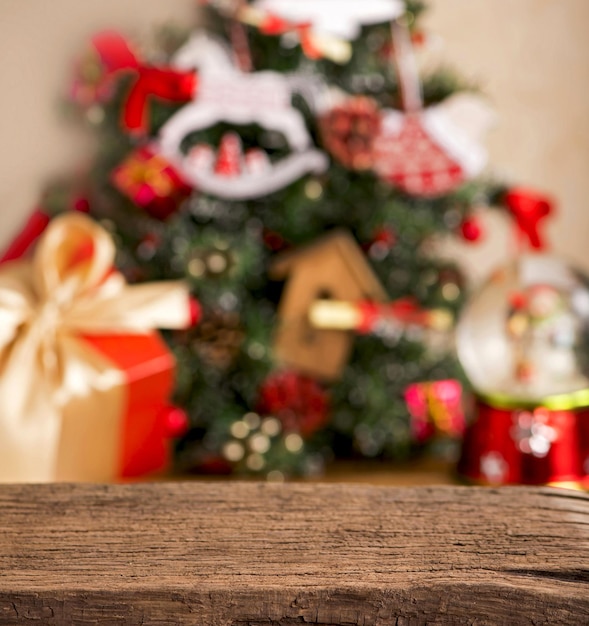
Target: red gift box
(107, 415)
(139, 439)
(151, 182)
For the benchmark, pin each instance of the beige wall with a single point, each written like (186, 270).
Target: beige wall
(530, 56)
(38, 41)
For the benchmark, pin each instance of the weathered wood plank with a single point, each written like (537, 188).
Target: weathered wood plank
(257, 554)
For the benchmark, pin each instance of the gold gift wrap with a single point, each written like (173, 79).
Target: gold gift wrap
(49, 373)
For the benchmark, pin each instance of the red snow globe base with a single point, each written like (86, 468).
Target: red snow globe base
(527, 445)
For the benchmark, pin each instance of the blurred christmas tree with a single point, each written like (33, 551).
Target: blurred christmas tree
(293, 166)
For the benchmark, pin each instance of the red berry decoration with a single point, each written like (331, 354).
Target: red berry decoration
(348, 132)
(298, 401)
(471, 229)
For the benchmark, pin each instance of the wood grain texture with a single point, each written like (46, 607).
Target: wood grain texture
(253, 554)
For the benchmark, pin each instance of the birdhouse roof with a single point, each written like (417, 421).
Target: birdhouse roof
(338, 242)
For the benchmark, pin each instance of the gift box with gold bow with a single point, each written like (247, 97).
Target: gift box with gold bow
(84, 377)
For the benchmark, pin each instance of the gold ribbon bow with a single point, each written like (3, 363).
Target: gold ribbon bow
(46, 370)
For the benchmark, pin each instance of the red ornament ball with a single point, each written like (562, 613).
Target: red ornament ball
(298, 401)
(471, 229)
(175, 421)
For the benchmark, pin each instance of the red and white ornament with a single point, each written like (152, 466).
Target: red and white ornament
(433, 151)
(229, 95)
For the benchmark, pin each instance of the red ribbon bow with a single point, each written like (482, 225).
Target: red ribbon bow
(528, 208)
(160, 82)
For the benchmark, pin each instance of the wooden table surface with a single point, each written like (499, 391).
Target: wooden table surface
(259, 554)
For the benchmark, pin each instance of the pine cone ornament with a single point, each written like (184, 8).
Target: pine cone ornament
(218, 338)
(348, 132)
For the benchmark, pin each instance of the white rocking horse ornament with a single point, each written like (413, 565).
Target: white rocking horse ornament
(225, 94)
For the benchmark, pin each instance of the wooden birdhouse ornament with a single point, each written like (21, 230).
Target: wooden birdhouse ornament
(333, 268)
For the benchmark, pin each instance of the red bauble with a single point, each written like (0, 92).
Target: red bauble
(348, 132)
(298, 401)
(175, 421)
(471, 229)
(385, 235)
